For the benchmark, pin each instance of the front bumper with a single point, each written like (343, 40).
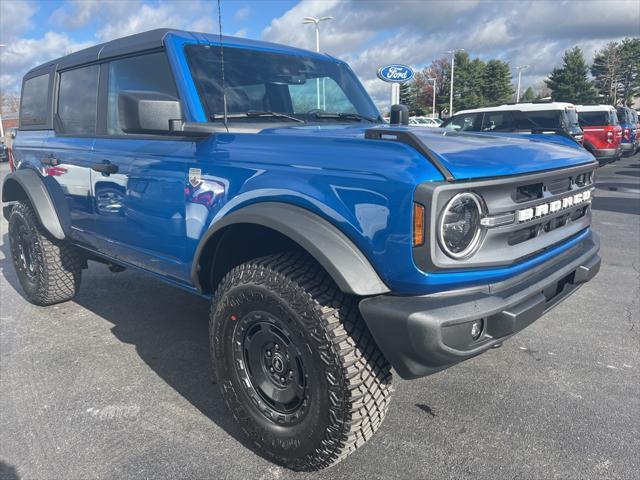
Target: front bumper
(425, 334)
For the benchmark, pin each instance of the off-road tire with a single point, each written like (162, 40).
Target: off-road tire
(348, 377)
(56, 265)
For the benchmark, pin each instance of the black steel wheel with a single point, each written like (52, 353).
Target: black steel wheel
(49, 270)
(274, 366)
(295, 362)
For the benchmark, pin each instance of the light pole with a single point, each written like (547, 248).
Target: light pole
(453, 61)
(316, 22)
(433, 95)
(1, 126)
(520, 68)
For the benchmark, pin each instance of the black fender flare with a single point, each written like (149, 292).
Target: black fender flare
(338, 255)
(46, 198)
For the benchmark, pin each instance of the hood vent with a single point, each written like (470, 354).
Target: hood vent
(409, 138)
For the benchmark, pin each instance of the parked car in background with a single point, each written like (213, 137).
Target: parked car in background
(629, 130)
(559, 117)
(4, 153)
(636, 117)
(602, 131)
(424, 122)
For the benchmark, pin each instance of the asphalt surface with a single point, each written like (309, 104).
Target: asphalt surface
(118, 384)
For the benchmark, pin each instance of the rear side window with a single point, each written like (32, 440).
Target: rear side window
(540, 119)
(34, 107)
(622, 115)
(146, 73)
(593, 119)
(498, 122)
(77, 100)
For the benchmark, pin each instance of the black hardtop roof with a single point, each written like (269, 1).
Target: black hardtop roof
(148, 41)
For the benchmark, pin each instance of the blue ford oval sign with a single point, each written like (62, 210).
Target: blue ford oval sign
(395, 73)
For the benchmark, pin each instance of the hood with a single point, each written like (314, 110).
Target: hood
(471, 155)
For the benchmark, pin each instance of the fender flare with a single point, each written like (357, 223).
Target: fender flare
(338, 255)
(47, 200)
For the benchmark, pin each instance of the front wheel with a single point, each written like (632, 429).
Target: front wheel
(295, 362)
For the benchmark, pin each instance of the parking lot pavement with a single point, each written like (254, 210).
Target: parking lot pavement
(117, 383)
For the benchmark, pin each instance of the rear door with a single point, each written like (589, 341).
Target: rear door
(69, 147)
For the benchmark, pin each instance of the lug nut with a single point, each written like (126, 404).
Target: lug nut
(290, 373)
(271, 369)
(282, 379)
(277, 347)
(268, 353)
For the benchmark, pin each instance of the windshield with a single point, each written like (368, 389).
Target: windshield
(264, 86)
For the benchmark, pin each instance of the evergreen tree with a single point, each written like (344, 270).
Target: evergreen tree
(629, 79)
(528, 96)
(468, 82)
(569, 83)
(497, 82)
(405, 95)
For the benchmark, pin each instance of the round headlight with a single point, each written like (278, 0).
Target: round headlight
(460, 230)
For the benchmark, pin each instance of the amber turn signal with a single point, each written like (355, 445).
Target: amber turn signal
(418, 225)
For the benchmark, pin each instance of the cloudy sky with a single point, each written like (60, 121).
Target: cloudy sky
(366, 33)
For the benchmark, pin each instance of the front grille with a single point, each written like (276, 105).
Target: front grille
(515, 241)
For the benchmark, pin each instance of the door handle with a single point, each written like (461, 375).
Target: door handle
(106, 167)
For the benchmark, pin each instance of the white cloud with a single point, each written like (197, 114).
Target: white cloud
(115, 19)
(15, 19)
(21, 55)
(242, 14)
(369, 34)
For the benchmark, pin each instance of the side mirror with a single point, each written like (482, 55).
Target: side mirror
(399, 115)
(147, 112)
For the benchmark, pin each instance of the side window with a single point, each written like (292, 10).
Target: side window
(34, 106)
(469, 121)
(78, 100)
(147, 73)
(498, 121)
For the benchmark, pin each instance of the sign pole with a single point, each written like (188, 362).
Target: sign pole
(395, 93)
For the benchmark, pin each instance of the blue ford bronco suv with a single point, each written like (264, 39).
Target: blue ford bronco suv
(333, 246)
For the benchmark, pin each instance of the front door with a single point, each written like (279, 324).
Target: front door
(140, 192)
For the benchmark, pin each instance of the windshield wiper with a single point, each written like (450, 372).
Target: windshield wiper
(258, 113)
(345, 116)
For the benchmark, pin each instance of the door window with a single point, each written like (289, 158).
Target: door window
(34, 109)
(147, 73)
(498, 122)
(77, 101)
(464, 122)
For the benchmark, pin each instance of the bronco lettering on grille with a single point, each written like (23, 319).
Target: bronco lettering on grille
(545, 208)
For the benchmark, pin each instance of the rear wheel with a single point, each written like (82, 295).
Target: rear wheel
(49, 270)
(295, 362)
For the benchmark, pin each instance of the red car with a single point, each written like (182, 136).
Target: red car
(602, 131)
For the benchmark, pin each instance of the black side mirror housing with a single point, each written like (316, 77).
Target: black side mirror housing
(399, 115)
(146, 112)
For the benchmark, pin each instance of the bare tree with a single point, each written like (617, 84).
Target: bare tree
(9, 102)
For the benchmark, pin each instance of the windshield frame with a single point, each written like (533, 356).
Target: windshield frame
(362, 107)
